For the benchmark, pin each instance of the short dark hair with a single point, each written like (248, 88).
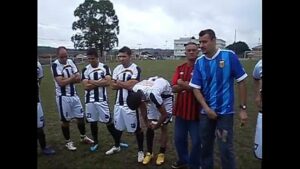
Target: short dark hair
(210, 32)
(92, 51)
(191, 43)
(134, 99)
(125, 49)
(60, 47)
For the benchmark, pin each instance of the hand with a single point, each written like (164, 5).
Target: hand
(243, 117)
(211, 114)
(154, 125)
(180, 82)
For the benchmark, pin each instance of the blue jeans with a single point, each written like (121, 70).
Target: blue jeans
(223, 129)
(182, 128)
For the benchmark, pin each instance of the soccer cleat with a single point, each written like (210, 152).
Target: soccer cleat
(160, 159)
(147, 158)
(48, 151)
(94, 147)
(140, 156)
(86, 140)
(113, 150)
(178, 165)
(70, 146)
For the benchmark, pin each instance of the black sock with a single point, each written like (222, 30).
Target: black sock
(66, 132)
(41, 137)
(116, 134)
(162, 150)
(81, 126)
(150, 137)
(140, 139)
(94, 130)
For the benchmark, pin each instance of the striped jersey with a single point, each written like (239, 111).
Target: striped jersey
(257, 72)
(66, 70)
(186, 105)
(215, 78)
(133, 72)
(155, 89)
(98, 94)
(40, 74)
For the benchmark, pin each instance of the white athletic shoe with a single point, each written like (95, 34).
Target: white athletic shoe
(113, 150)
(70, 146)
(140, 156)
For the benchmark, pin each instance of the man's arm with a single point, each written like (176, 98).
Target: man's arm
(257, 88)
(181, 85)
(243, 100)
(102, 82)
(210, 113)
(117, 84)
(62, 81)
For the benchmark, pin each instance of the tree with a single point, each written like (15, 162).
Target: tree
(98, 25)
(239, 47)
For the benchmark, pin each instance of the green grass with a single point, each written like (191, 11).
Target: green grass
(127, 158)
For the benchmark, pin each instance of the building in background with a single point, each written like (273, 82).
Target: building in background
(179, 45)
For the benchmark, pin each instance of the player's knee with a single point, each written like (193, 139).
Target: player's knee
(65, 124)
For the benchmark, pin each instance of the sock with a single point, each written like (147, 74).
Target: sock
(162, 150)
(94, 130)
(140, 139)
(41, 137)
(81, 126)
(66, 132)
(150, 137)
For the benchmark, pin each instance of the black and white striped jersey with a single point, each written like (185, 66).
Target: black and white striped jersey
(133, 72)
(98, 94)
(66, 71)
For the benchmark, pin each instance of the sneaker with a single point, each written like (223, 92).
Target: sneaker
(178, 165)
(124, 145)
(113, 150)
(147, 158)
(94, 147)
(160, 159)
(86, 140)
(48, 151)
(140, 156)
(70, 146)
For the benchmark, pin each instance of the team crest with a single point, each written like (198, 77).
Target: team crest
(221, 63)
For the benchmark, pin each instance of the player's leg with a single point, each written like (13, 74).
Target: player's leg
(116, 134)
(63, 109)
(92, 116)
(258, 137)
(224, 133)
(77, 112)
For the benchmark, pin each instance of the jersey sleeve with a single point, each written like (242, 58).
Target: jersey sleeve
(196, 80)
(237, 69)
(175, 76)
(257, 71)
(136, 73)
(55, 70)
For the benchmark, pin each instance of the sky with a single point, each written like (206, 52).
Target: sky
(157, 23)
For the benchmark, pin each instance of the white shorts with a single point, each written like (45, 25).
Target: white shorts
(40, 116)
(69, 107)
(258, 137)
(97, 111)
(125, 118)
(154, 114)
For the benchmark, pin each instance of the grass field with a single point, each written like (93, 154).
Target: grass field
(127, 158)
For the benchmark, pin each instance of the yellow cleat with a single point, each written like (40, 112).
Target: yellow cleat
(160, 159)
(147, 158)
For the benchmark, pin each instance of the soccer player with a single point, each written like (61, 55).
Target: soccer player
(66, 75)
(96, 77)
(257, 76)
(187, 112)
(213, 83)
(154, 98)
(40, 116)
(125, 76)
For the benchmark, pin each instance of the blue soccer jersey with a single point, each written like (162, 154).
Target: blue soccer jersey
(215, 78)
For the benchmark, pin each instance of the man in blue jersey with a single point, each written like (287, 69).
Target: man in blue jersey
(213, 83)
